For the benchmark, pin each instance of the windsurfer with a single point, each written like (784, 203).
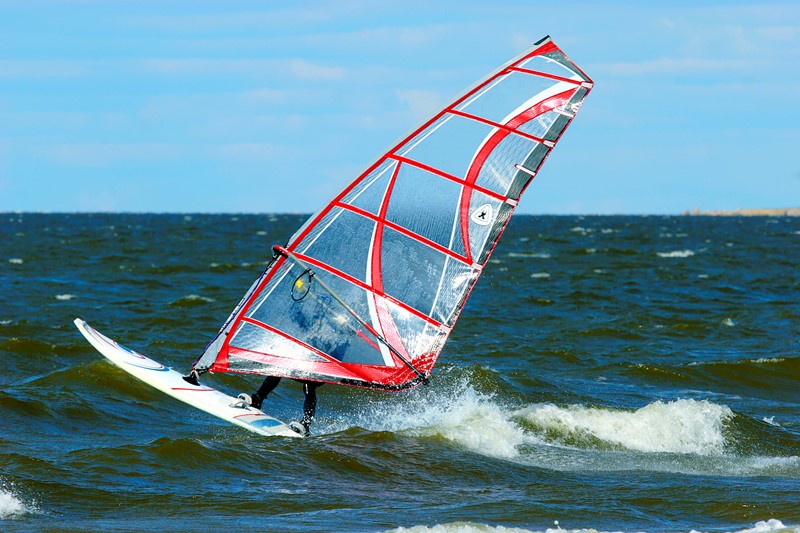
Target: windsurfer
(309, 404)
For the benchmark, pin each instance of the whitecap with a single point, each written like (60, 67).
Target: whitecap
(15, 261)
(463, 416)
(769, 360)
(676, 253)
(765, 526)
(770, 526)
(771, 421)
(541, 275)
(464, 527)
(728, 322)
(65, 297)
(680, 426)
(11, 506)
(534, 255)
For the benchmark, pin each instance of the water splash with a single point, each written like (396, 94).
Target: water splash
(458, 413)
(681, 426)
(10, 505)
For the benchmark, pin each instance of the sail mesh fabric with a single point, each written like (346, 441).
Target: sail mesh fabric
(367, 291)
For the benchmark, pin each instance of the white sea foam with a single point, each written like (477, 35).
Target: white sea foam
(460, 527)
(15, 261)
(463, 416)
(769, 526)
(64, 297)
(540, 275)
(581, 230)
(192, 299)
(681, 426)
(685, 436)
(676, 253)
(10, 505)
(532, 255)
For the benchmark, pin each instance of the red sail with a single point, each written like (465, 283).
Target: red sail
(368, 290)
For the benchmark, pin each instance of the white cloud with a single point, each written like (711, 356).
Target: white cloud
(421, 104)
(672, 66)
(106, 154)
(248, 152)
(43, 68)
(314, 72)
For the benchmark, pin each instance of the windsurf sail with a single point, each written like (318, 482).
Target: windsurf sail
(367, 291)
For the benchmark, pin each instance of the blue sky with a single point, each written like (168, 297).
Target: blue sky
(245, 106)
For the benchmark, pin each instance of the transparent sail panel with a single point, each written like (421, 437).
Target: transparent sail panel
(447, 145)
(546, 126)
(370, 191)
(421, 277)
(427, 204)
(497, 103)
(418, 336)
(482, 236)
(301, 308)
(497, 170)
(344, 245)
(555, 63)
(262, 341)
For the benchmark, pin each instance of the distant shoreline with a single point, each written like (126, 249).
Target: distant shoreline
(782, 212)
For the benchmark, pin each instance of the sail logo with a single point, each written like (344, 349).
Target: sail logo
(482, 215)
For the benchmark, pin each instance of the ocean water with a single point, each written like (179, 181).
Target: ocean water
(607, 374)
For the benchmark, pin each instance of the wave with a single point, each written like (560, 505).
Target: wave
(191, 300)
(758, 376)
(696, 437)
(767, 526)
(682, 426)
(676, 253)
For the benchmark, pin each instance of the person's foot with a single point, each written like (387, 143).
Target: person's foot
(193, 378)
(300, 427)
(252, 401)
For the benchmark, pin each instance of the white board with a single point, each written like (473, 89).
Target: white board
(171, 382)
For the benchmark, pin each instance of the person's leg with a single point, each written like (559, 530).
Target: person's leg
(310, 403)
(270, 382)
(255, 400)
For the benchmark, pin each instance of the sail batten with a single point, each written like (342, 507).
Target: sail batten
(367, 291)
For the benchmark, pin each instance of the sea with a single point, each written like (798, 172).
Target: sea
(608, 374)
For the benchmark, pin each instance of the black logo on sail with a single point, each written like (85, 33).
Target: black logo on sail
(482, 215)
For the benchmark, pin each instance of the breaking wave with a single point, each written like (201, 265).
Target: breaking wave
(681, 426)
(766, 526)
(695, 437)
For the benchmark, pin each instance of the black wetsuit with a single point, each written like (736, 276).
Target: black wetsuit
(309, 389)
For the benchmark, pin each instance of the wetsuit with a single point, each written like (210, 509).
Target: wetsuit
(309, 389)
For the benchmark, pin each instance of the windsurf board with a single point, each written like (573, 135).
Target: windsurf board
(170, 382)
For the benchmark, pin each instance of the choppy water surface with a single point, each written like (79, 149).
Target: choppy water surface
(608, 373)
